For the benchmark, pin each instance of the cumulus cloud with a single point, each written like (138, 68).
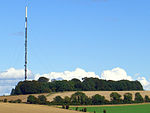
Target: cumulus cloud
(120, 74)
(10, 78)
(115, 74)
(68, 75)
(13, 73)
(144, 82)
(5, 90)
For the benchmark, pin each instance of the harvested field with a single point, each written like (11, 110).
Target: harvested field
(28, 108)
(63, 94)
(103, 93)
(21, 97)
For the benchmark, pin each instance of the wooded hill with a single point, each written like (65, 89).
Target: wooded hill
(42, 85)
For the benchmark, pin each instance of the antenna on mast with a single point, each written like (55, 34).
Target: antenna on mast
(26, 45)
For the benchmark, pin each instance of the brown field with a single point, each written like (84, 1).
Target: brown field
(103, 93)
(63, 94)
(28, 108)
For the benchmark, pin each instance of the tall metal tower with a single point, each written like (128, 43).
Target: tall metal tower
(26, 45)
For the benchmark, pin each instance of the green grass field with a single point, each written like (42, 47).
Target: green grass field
(144, 108)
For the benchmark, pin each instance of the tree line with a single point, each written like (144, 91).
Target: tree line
(80, 98)
(42, 85)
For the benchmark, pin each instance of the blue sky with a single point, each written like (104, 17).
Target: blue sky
(94, 35)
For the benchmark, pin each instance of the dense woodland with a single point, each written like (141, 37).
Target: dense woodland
(42, 85)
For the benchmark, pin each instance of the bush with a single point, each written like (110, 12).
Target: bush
(11, 101)
(67, 106)
(98, 99)
(19, 101)
(146, 99)
(63, 106)
(138, 98)
(104, 111)
(76, 108)
(5, 100)
(115, 98)
(127, 98)
(84, 110)
(32, 99)
(42, 99)
(58, 100)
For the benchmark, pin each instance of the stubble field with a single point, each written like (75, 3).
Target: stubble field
(50, 96)
(28, 108)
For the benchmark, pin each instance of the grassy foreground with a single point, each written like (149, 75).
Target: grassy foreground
(142, 108)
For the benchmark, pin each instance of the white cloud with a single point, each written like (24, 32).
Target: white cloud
(68, 75)
(5, 90)
(13, 73)
(144, 82)
(115, 74)
(12, 76)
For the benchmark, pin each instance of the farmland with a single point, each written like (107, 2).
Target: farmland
(141, 108)
(28, 108)
(63, 94)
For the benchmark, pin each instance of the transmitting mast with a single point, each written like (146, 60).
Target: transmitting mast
(26, 45)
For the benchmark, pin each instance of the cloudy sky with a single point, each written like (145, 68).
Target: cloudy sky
(108, 39)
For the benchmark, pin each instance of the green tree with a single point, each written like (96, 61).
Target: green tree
(32, 99)
(58, 100)
(98, 99)
(42, 99)
(127, 98)
(115, 98)
(79, 98)
(43, 79)
(5, 100)
(66, 100)
(146, 99)
(138, 98)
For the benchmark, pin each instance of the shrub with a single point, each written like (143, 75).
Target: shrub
(42, 99)
(11, 101)
(98, 99)
(32, 99)
(84, 110)
(19, 101)
(76, 108)
(127, 98)
(146, 99)
(63, 106)
(5, 100)
(104, 111)
(58, 100)
(67, 106)
(138, 98)
(115, 98)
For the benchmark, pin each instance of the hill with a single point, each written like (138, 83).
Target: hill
(69, 93)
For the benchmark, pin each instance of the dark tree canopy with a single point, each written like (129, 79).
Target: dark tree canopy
(43, 79)
(88, 84)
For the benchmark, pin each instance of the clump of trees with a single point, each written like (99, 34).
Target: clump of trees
(42, 85)
(41, 99)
